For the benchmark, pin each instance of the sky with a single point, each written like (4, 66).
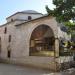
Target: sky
(9, 7)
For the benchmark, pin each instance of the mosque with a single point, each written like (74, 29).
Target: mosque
(32, 38)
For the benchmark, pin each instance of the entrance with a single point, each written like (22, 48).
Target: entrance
(42, 41)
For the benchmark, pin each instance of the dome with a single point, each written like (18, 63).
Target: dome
(30, 12)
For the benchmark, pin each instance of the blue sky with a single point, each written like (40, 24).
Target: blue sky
(9, 7)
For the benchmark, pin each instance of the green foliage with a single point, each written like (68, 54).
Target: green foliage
(71, 27)
(64, 12)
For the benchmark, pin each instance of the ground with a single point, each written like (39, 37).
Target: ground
(8, 69)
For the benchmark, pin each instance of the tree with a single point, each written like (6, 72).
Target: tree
(64, 13)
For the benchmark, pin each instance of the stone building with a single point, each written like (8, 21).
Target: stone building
(31, 38)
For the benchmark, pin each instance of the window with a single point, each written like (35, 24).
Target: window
(29, 18)
(11, 20)
(9, 38)
(9, 53)
(5, 31)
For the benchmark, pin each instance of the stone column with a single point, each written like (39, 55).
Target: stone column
(56, 47)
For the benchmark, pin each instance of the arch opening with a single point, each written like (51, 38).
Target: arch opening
(42, 41)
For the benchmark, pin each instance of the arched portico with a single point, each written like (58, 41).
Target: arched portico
(42, 41)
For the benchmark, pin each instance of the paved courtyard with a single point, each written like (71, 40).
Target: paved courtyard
(8, 69)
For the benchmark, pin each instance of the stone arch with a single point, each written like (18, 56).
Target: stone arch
(42, 39)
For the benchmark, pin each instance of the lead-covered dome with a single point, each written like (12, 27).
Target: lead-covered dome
(31, 12)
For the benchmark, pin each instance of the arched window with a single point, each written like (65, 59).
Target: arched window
(29, 17)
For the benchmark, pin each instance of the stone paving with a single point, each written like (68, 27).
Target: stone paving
(8, 69)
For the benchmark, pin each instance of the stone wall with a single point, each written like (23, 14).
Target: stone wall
(20, 40)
